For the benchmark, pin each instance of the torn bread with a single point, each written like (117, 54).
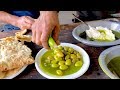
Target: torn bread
(8, 73)
(21, 37)
(14, 54)
(11, 72)
(22, 32)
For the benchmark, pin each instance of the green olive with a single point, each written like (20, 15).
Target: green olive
(66, 48)
(58, 59)
(78, 55)
(70, 50)
(68, 53)
(61, 62)
(63, 51)
(63, 67)
(59, 72)
(45, 64)
(56, 50)
(60, 47)
(73, 56)
(53, 61)
(60, 54)
(50, 58)
(74, 60)
(75, 52)
(67, 57)
(54, 65)
(68, 62)
(47, 61)
(78, 63)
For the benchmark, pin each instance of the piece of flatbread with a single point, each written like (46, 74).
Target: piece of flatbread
(14, 54)
(22, 32)
(21, 37)
(8, 73)
(11, 72)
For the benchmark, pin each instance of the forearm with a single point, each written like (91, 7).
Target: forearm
(48, 12)
(8, 18)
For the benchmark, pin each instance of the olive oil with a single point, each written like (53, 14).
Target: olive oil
(114, 66)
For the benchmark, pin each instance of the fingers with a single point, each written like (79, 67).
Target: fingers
(33, 35)
(26, 22)
(41, 38)
(44, 39)
(36, 35)
(25, 26)
(38, 38)
(55, 34)
(29, 20)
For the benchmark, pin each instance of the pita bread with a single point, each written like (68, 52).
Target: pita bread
(22, 32)
(11, 72)
(8, 73)
(14, 54)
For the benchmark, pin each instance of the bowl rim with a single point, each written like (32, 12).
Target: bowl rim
(94, 43)
(102, 63)
(77, 74)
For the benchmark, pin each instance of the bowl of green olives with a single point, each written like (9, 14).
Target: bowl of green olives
(66, 61)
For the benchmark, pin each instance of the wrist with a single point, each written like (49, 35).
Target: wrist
(14, 20)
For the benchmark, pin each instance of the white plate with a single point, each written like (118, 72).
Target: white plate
(79, 73)
(82, 27)
(16, 74)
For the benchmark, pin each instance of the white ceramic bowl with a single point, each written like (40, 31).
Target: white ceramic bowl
(83, 69)
(82, 27)
(105, 58)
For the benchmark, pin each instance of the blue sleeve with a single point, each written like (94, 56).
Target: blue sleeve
(33, 14)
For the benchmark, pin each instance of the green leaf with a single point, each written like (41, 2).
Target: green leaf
(90, 39)
(117, 34)
(83, 35)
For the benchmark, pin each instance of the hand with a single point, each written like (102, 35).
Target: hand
(44, 26)
(24, 22)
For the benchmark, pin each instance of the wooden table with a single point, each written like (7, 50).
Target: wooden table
(94, 71)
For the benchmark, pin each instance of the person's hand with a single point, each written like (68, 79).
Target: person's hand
(24, 22)
(44, 26)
